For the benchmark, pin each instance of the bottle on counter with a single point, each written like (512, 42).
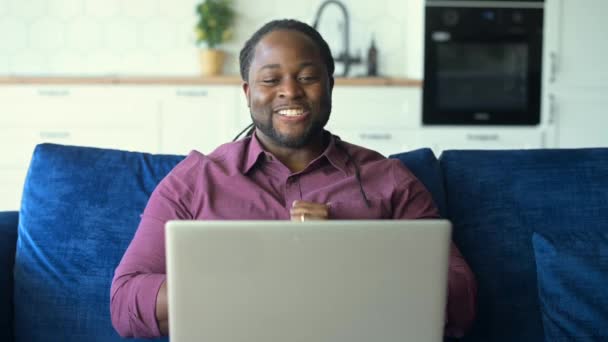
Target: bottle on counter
(372, 59)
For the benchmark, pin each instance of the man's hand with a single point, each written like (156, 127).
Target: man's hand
(306, 211)
(162, 312)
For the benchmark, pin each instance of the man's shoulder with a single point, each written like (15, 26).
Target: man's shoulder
(229, 153)
(363, 154)
(226, 156)
(376, 162)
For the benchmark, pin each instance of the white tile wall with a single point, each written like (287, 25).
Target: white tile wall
(156, 37)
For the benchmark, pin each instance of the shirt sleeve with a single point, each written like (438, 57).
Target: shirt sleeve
(141, 272)
(411, 200)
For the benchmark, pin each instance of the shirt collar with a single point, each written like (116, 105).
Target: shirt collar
(254, 150)
(334, 154)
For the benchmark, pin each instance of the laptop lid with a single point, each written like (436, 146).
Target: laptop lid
(322, 281)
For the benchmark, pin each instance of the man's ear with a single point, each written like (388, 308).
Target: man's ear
(245, 86)
(331, 84)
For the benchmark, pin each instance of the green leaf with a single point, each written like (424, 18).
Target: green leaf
(215, 17)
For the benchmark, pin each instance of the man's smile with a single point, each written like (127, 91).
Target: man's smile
(291, 112)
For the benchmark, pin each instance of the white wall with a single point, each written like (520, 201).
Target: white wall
(156, 37)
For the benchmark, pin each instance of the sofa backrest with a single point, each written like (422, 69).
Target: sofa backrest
(496, 201)
(79, 212)
(8, 237)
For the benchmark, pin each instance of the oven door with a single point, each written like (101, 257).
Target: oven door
(482, 66)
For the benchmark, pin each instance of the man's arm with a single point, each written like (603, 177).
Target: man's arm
(412, 201)
(462, 294)
(162, 312)
(138, 302)
(138, 282)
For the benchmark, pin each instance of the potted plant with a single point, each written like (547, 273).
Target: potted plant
(215, 20)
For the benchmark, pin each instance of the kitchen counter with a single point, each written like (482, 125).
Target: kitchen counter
(184, 80)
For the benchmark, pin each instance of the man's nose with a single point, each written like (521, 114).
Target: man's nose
(291, 88)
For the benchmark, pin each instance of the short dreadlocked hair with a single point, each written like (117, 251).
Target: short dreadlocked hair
(248, 50)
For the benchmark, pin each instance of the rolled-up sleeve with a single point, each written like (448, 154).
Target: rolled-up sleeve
(142, 270)
(136, 282)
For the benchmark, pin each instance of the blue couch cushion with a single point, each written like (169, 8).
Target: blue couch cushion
(425, 166)
(80, 209)
(496, 201)
(572, 271)
(8, 238)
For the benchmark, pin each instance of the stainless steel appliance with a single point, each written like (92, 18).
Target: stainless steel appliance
(482, 62)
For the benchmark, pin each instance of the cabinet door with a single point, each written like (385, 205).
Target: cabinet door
(124, 124)
(576, 42)
(375, 107)
(478, 138)
(378, 118)
(386, 141)
(66, 116)
(200, 118)
(581, 118)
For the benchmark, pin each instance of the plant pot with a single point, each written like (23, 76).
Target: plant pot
(212, 62)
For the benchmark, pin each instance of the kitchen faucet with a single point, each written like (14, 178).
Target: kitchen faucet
(344, 56)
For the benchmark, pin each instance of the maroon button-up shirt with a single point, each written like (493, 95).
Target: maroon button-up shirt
(242, 181)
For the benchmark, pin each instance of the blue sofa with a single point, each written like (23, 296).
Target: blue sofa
(533, 225)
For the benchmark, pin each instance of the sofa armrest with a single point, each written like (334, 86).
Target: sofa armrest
(8, 239)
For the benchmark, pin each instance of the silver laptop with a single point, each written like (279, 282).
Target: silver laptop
(318, 281)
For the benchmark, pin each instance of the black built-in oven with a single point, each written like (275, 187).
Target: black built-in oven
(482, 62)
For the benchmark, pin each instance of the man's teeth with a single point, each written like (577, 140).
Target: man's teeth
(291, 112)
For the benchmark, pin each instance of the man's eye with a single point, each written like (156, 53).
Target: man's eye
(308, 78)
(269, 81)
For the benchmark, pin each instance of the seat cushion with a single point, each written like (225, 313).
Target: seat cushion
(425, 166)
(572, 271)
(496, 201)
(8, 239)
(80, 209)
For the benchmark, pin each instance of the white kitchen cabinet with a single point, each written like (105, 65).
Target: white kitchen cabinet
(580, 117)
(200, 118)
(487, 138)
(387, 141)
(375, 107)
(70, 116)
(575, 72)
(383, 119)
(576, 42)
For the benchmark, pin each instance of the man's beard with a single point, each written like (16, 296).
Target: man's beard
(314, 130)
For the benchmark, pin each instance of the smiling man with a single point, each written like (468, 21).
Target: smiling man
(287, 168)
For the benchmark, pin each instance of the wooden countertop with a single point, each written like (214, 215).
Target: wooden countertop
(179, 80)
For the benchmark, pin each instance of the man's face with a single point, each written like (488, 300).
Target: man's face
(289, 90)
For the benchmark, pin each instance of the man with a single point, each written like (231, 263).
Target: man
(288, 168)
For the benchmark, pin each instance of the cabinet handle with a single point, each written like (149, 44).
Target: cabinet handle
(543, 139)
(483, 137)
(375, 136)
(552, 110)
(191, 93)
(54, 92)
(55, 135)
(552, 66)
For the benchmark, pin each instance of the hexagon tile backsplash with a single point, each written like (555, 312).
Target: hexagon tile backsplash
(156, 37)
